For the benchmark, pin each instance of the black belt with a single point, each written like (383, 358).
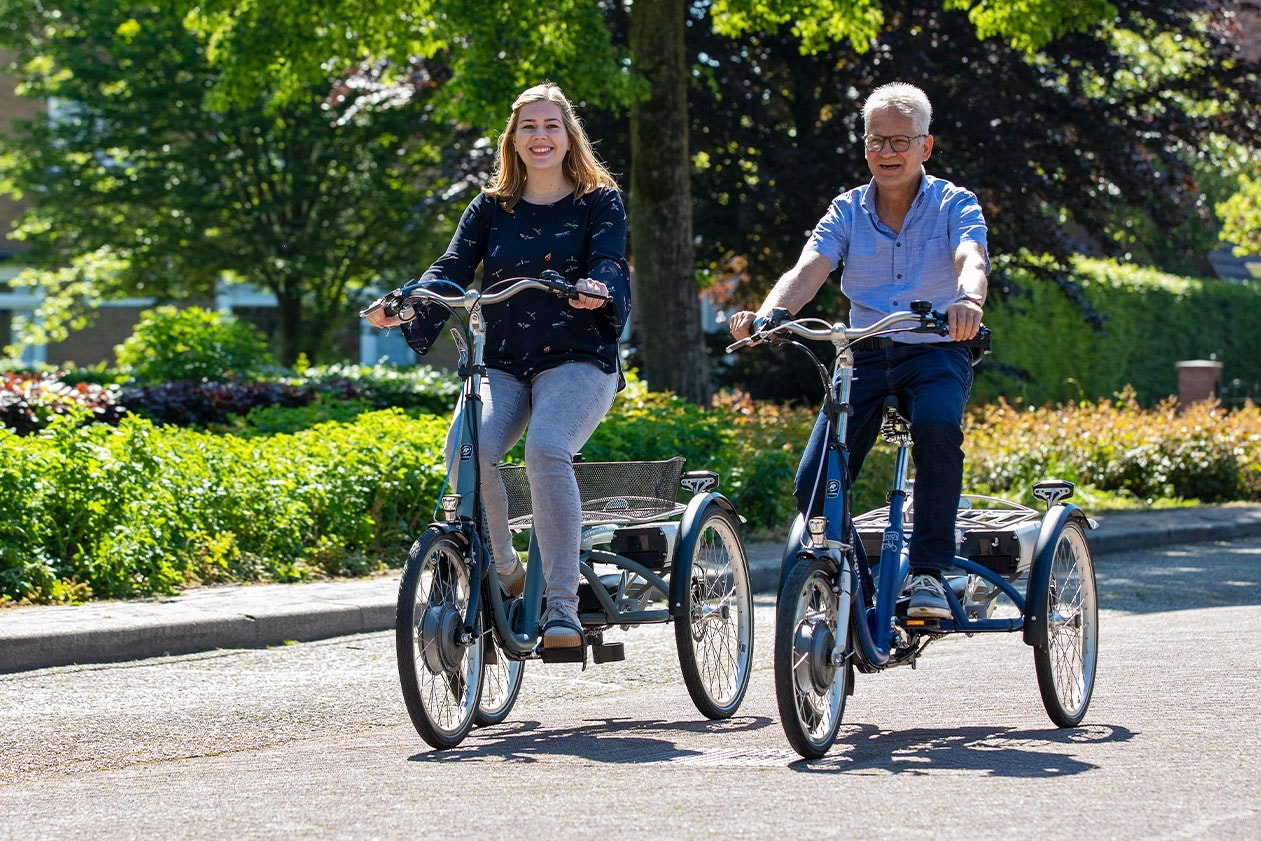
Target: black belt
(872, 343)
(886, 342)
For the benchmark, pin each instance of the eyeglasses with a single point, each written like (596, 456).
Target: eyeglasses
(897, 142)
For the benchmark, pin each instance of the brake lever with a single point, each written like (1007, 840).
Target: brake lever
(391, 303)
(557, 283)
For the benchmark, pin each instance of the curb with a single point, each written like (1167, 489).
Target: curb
(258, 616)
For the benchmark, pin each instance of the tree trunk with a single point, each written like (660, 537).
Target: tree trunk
(666, 295)
(292, 338)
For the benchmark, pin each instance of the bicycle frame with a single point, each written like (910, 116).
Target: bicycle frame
(462, 510)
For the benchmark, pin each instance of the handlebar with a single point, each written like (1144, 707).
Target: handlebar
(779, 321)
(413, 292)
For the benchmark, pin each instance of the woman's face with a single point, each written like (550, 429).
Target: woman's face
(540, 139)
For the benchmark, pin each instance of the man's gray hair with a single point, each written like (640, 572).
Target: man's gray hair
(907, 100)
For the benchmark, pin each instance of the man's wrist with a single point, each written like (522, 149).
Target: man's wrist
(973, 297)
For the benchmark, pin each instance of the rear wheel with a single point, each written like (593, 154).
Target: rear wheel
(810, 690)
(440, 671)
(1070, 616)
(715, 637)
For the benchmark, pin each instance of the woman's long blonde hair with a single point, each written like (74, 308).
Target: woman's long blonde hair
(581, 166)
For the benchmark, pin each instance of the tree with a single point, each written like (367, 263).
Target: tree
(489, 44)
(1103, 141)
(139, 185)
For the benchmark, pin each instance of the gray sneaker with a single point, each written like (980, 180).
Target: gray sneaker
(561, 628)
(513, 581)
(928, 598)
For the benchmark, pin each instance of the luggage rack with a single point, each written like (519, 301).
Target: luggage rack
(999, 536)
(622, 492)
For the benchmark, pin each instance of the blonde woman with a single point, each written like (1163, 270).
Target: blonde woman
(552, 363)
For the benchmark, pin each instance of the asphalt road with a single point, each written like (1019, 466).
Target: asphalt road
(311, 740)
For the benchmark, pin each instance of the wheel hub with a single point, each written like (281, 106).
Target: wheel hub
(440, 628)
(812, 652)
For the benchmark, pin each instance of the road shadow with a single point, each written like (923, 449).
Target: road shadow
(1185, 577)
(611, 740)
(995, 751)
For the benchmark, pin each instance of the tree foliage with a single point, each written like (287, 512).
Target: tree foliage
(138, 184)
(1241, 217)
(1102, 141)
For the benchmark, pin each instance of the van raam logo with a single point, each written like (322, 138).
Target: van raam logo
(466, 452)
(891, 541)
(834, 489)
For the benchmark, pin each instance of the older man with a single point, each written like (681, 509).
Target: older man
(903, 236)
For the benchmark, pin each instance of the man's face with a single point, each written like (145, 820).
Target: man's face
(897, 170)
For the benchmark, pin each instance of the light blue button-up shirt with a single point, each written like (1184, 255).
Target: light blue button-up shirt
(884, 271)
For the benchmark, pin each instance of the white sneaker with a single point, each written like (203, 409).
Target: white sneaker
(928, 598)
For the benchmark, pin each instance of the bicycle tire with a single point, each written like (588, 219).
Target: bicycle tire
(809, 691)
(1069, 622)
(441, 678)
(501, 684)
(715, 636)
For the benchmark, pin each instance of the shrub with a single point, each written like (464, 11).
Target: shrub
(423, 387)
(28, 402)
(138, 509)
(1151, 320)
(192, 344)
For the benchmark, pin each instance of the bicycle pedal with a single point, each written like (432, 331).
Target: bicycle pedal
(608, 652)
(921, 623)
(577, 654)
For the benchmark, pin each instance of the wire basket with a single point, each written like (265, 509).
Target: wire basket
(611, 491)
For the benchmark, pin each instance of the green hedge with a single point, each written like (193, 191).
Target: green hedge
(101, 511)
(1152, 320)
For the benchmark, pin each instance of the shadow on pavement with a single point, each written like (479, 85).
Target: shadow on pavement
(998, 752)
(1186, 577)
(612, 740)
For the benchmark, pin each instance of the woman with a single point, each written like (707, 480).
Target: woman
(551, 363)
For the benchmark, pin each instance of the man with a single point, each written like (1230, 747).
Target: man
(902, 237)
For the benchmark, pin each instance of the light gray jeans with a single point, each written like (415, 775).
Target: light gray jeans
(562, 407)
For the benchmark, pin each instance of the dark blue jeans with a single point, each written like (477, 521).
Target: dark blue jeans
(932, 383)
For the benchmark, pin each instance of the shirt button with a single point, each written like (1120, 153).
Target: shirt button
(899, 245)
(899, 277)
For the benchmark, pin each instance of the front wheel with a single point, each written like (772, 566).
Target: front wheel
(501, 684)
(810, 690)
(440, 671)
(715, 636)
(1069, 622)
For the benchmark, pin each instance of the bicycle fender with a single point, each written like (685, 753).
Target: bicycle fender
(1043, 555)
(681, 568)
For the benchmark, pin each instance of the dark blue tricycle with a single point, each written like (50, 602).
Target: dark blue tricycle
(842, 606)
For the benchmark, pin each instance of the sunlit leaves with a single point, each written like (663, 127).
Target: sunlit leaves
(1241, 217)
(1032, 24)
(818, 23)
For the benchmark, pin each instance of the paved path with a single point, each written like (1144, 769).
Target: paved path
(249, 616)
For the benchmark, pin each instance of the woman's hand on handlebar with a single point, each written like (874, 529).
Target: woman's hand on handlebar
(592, 294)
(964, 318)
(385, 312)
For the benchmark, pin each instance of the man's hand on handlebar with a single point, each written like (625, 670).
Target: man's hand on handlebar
(965, 319)
(741, 324)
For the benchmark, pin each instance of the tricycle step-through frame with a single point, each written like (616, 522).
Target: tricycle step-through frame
(645, 558)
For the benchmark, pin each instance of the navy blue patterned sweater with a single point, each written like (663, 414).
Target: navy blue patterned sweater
(536, 330)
